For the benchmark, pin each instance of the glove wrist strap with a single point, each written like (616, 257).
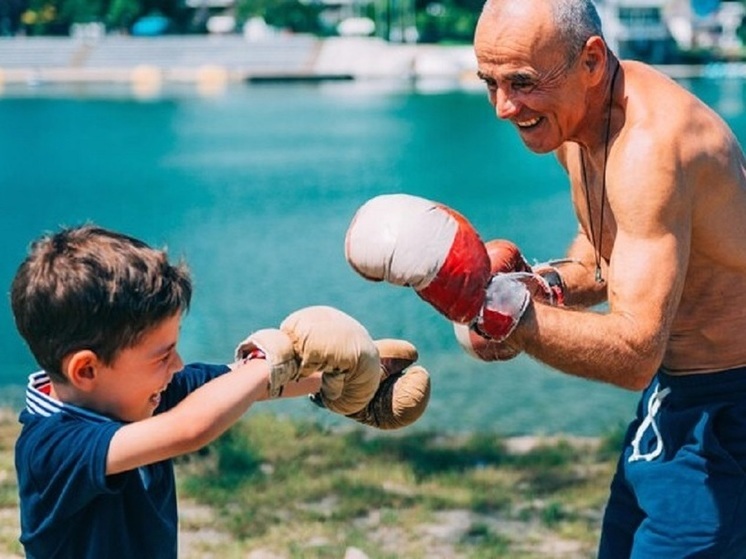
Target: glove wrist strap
(255, 353)
(551, 274)
(553, 279)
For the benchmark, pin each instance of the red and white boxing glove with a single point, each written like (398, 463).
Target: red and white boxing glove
(505, 257)
(552, 284)
(505, 301)
(412, 241)
(511, 289)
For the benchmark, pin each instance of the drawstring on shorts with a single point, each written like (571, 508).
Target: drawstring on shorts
(654, 404)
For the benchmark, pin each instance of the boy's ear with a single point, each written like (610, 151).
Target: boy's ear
(81, 369)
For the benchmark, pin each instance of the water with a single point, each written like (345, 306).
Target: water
(255, 189)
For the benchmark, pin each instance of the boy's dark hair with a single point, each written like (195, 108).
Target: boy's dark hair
(89, 288)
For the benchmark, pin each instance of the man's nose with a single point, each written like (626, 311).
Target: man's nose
(505, 105)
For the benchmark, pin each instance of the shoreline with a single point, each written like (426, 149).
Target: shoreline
(216, 60)
(211, 63)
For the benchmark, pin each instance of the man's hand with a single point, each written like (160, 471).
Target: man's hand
(506, 258)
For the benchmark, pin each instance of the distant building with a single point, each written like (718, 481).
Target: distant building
(638, 29)
(666, 31)
(707, 25)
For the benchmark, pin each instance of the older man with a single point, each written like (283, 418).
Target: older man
(658, 183)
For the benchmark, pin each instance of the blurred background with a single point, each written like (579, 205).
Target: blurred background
(660, 31)
(244, 134)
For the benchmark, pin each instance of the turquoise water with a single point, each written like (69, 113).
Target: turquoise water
(255, 189)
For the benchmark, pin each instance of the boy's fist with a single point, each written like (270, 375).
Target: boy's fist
(324, 339)
(404, 391)
(277, 348)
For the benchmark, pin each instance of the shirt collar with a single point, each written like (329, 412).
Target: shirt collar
(39, 402)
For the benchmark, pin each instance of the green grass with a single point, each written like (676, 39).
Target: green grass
(300, 490)
(278, 485)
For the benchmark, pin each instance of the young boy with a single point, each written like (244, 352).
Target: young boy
(101, 312)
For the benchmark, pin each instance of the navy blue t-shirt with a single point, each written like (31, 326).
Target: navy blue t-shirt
(69, 508)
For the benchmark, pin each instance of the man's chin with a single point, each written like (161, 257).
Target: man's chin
(533, 142)
(539, 148)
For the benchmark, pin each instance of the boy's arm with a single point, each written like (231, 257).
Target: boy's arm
(198, 419)
(316, 349)
(305, 386)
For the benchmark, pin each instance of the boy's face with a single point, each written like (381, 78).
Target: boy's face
(130, 388)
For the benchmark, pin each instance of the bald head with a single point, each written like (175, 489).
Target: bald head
(570, 22)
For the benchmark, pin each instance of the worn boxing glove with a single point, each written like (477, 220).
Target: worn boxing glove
(277, 348)
(542, 280)
(504, 257)
(506, 299)
(325, 339)
(411, 241)
(404, 391)
(553, 284)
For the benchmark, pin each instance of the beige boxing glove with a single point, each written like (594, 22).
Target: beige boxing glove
(404, 390)
(328, 340)
(325, 339)
(277, 348)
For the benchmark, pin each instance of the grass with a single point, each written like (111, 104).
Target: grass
(299, 490)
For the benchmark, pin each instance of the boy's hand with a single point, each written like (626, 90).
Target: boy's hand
(404, 391)
(326, 339)
(277, 348)
(322, 339)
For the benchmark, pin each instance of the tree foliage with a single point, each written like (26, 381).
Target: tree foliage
(436, 20)
(441, 19)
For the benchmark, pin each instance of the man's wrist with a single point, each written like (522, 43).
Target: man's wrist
(555, 283)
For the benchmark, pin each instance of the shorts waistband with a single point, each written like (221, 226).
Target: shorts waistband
(723, 383)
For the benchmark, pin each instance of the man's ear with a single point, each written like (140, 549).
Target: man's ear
(595, 58)
(81, 369)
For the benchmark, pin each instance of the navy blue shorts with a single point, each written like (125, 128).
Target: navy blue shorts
(679, 490)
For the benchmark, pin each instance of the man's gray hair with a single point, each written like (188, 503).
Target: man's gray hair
(577, 21)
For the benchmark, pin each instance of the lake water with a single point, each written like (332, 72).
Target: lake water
(255, 188)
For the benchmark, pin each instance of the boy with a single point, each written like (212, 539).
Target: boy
(101, 312)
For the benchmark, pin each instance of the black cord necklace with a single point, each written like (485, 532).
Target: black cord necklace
(597, 247)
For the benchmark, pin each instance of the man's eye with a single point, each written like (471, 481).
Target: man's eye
(523, 86)
(491, 84)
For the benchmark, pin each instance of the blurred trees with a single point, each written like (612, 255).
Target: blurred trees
(436, 20)
(447, 20)
(43, 17)
(430, 20)
(299, 17)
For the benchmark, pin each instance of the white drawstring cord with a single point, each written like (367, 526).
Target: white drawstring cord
(654, 404)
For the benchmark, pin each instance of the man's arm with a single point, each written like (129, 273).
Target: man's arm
(579, 274)
(625, 345)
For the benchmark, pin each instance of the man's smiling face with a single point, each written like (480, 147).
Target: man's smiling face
(529, 79)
